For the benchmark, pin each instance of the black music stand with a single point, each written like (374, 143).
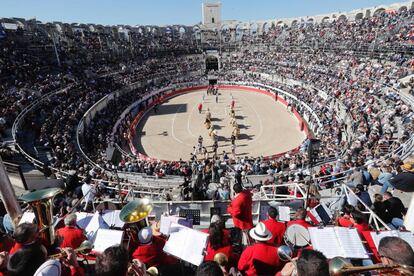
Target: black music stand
(193, 214)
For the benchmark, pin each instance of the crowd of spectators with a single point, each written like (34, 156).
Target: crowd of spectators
(357, 114)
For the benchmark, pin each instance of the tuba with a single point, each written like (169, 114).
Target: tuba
(339, 266)
(135, 214)
(136, 210)
(41, 202)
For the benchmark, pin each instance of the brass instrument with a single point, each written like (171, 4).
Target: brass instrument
(84, 248)
(285, 253)
(41, 202)
(137, 268)
(339, 266)
(135, 214)
(136, 210)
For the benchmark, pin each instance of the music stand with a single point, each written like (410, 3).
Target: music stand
(193, 214)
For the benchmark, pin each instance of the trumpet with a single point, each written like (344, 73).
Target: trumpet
(339, 266)
(84, 248)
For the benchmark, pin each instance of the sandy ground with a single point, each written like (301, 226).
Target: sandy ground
(266, 127)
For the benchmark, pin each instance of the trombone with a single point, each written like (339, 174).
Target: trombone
(339, 266)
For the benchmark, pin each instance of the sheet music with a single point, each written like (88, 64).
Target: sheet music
(94, 225)
(186, 244)
(106, 238)
(284, 213)
(351, 243)
(27, 217)
(165, 223)
(325, 240)
(83, 219)
(111, 217)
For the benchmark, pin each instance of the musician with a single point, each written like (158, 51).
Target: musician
(359, 222)
(66, 266)
(149, 250)
(300, 217)
(210, 269)
(240, 208)
(345, 219)
(218, 243)
(113, 261)
(275, 227)
(26, 234)
(32, 260)
(309, 263)
(394, 250)
(6, 242)
(260, 258)
(26, 260)
(71, 234)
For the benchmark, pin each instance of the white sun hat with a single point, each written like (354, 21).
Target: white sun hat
(260, 232)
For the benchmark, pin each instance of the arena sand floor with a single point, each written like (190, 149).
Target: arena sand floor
(266, 126)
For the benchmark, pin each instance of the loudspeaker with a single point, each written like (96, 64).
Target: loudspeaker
(212, 82)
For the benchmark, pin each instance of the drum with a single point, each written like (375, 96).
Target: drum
(297, 236)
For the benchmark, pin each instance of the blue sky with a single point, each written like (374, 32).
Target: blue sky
(164, 12)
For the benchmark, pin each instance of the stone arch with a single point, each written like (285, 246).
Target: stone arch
(253, 28)
(168, 30)
(239, 31)
(294, 22)
(197, 32)
(181, 30)
(266, 27)
(403, 9)
(379, 11)
(342, 17)
(310, 20)
(224, 28)
(325, 19)
(359, 16)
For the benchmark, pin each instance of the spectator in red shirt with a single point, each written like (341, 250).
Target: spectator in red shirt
(240, 208)
(300, 217)
(275, 227)
(260, 258)
(72, 236)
